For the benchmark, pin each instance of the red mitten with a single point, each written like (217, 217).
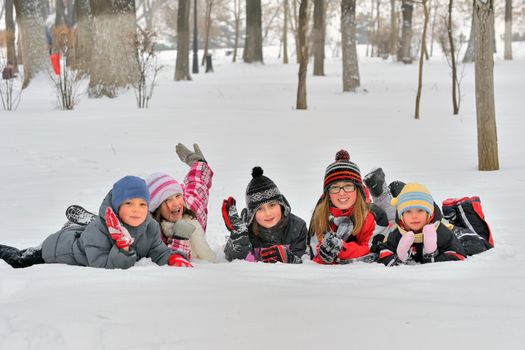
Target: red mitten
(117, 232)
(178, 260)
(275, 253)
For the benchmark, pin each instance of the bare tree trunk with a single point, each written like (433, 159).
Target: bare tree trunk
(484, 81)
(421, 59)
(207, 27)
(433, 31)
(10, 35)
(33, 41)
(303, 54)
(370, 30)
(237, 16)
(469, 53)
(113, 62)
(404, 54)
(508, 30)
(393, 28)
(60, 14)
(182, 66)
(295, 28)
(349, 46)
(377, 29)
(319, 36)
(84, 36)
(285, 32)
(253, 42)
(455, 103)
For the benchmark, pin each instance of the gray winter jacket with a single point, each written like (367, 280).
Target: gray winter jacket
(92, 245)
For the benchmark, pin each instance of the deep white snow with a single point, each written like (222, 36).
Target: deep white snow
(242, 116)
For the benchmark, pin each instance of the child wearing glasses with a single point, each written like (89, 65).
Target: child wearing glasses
(266, 230)
(419, 237)
(344, 222)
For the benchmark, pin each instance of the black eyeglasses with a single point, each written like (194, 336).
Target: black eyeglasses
(348, 188)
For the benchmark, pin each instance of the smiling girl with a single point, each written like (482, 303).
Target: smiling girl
(182, 210)
(267, 231)
(343, 221)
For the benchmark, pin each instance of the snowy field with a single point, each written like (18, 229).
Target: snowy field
(242, 116)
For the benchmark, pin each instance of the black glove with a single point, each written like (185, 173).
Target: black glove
(275, 253)
(187, 156)
(375, 181)
(330, 247)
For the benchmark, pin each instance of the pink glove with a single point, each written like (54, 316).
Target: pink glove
(178, 260)
(117, 232)
(404, 245)
(429, 239)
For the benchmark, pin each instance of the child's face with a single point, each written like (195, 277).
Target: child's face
(415, 219)
(269, 214)
(172, 208)
(342, 194)
(133, 211)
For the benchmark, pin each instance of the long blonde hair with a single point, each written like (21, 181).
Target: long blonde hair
(319, 223)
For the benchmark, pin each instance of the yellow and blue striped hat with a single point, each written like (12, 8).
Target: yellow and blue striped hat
(414, 196)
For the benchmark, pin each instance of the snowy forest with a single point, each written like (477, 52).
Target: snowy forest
(430, 91)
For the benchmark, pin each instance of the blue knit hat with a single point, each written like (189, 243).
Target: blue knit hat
(127, 188)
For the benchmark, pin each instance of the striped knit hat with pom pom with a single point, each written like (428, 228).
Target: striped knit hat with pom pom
(342, 170)
(262, 190)
(413, 196)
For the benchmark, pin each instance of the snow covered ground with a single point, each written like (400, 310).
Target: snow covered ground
(243, 116)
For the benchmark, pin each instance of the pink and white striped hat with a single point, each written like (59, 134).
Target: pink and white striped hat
(161, 186)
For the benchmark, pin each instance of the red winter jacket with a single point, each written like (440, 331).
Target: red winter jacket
(356, 245)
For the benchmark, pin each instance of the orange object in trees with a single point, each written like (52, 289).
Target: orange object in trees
(55, 62)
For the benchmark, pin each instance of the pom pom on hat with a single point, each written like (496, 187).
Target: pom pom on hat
(257, 171)
(343, 170)
(414, 196)
(342, 155)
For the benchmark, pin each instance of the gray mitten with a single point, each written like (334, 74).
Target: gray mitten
(345, 225)
(181, 229)
(187, 156)
(330, 247)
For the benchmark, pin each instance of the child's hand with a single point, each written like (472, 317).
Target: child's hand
(429, 239)
(117, 232)
(233, 222)
(330, 247)
(178, 260)
(181, 229)
(404, 246)
(275, 253)
(345, 225)
(188, 156)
